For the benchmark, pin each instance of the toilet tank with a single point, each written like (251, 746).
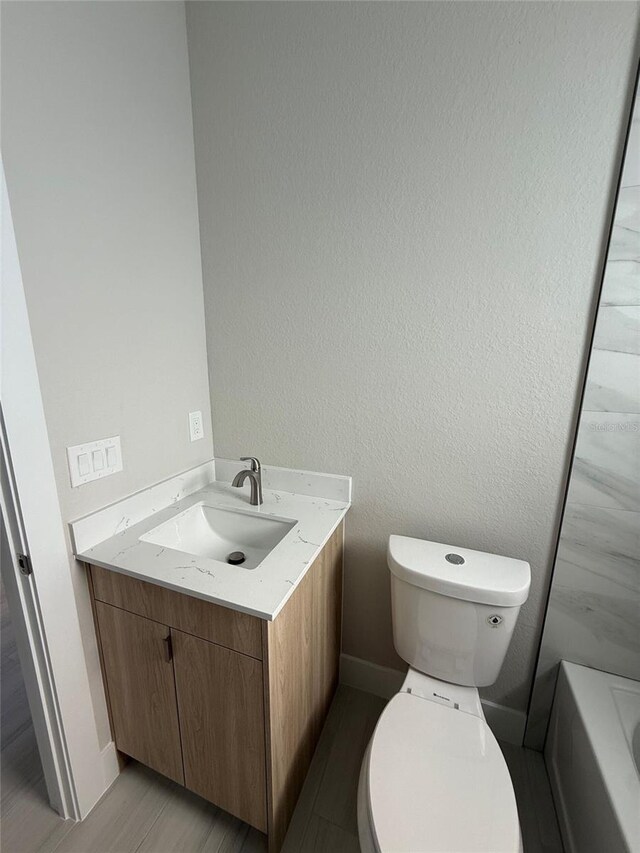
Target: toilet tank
(454, 609)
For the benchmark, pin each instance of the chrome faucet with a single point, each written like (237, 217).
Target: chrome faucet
(254, 473)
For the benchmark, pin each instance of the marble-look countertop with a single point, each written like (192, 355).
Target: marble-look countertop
(260, 592)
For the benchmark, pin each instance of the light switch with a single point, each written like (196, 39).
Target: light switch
(94, 460)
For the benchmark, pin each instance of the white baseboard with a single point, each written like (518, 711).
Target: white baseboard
(110, 772)
(110, 764)
(506, 723)
(370, 677)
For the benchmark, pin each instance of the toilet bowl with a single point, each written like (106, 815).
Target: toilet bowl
(433, 779)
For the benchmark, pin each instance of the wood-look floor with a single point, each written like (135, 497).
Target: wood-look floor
(146, 813)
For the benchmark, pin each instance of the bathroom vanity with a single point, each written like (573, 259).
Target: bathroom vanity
(224, 696)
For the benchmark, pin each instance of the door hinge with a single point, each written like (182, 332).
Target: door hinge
(24, 562)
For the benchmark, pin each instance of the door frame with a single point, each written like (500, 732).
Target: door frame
(77, 768)
(29, 635)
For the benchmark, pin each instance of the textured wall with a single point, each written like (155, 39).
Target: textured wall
(594, 606)
(403, 210)
(97, 145)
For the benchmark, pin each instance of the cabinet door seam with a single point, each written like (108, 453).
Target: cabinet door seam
(175, 687)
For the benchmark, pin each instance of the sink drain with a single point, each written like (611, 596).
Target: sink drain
(236, 558)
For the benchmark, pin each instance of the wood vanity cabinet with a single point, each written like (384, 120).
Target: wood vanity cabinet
(141, 689)
(229, 705)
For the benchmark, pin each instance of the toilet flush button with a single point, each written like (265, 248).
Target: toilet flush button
(456, 559)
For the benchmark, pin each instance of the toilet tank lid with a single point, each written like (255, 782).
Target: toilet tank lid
(460, 572)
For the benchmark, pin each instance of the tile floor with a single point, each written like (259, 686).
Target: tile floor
(145, 813)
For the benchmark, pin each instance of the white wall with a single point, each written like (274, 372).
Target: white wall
(97, 144)
(402, 210)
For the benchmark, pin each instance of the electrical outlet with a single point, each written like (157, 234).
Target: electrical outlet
(196, 429)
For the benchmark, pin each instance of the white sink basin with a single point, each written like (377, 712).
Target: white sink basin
(214, 532)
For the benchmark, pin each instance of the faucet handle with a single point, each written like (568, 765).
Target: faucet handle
(255, 463)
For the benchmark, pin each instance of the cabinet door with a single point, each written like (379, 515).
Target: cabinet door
(220, 702)
(141, 687)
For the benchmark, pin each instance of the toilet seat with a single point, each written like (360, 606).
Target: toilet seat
(435, 781)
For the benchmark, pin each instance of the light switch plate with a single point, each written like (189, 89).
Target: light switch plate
(196, 429)
(94, 460)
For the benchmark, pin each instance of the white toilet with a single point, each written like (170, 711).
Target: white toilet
(433, 778)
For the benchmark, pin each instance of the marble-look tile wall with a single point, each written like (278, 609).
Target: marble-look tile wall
(593, 617)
